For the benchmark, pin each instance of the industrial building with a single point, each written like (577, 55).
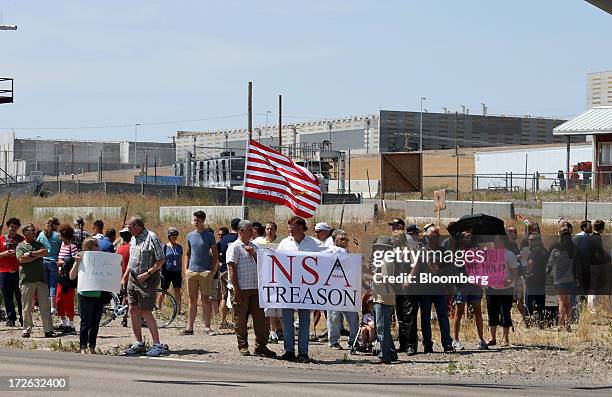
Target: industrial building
(599, 89)
(23, 157)
(386, 131)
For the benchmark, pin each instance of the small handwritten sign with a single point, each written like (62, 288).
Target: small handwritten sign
(99, 271)
(493, 267)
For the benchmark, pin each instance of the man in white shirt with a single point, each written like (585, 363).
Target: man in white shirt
(297, 241)
(324, 234)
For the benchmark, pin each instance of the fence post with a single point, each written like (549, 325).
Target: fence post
(78, 186)
(59, 185)
(176, 193)
(142, 187)
(104, 184)
(511, 186)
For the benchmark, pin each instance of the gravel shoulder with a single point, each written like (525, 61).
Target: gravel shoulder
(584, 364)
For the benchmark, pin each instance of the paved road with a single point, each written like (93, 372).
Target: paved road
(135, 376)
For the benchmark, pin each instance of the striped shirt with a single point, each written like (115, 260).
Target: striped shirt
(68, 250)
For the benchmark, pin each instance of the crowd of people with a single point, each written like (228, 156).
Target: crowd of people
(40, 268)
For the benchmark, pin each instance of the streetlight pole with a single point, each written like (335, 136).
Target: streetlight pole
(421, 126)
(135, 141)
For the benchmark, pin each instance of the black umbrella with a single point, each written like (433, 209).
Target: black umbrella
(480, 225)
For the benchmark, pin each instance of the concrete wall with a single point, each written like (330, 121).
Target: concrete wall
(552, 211)
(88, 213)
(331, 213)
(421, 211)
(214, 214)
(357, 187)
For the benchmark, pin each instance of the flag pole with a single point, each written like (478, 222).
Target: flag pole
(248, 142)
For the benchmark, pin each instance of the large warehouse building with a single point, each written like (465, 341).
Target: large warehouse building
(386, 131)
(19, 157)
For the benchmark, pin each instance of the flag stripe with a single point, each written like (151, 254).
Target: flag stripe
(261, 171)
(271, 176)
(265, 181)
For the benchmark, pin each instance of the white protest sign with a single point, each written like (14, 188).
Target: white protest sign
(309, 280)
(99, 271)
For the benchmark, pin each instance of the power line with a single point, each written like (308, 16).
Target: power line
(91, 127)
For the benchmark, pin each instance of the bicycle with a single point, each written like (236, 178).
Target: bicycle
(164, 316)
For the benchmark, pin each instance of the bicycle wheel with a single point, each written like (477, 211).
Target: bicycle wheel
(108, 313)
(166, 313)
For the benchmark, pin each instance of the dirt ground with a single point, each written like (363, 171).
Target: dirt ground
(550, 356)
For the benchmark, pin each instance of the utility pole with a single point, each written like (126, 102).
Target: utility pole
(280, 121)
(330, 124)
(421, 126)
(457, 173)
(135, 142)
(250, 108)
(367, 120)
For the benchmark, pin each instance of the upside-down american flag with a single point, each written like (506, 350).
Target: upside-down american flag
(271, 176)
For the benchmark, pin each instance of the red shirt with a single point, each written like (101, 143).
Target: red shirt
(124, 251)
(9, 264)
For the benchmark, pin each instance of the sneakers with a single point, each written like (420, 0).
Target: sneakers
(10, 323)
(156, 350)
(458, 345)
(273, 339)
(186, 332)
(124, 323)
(482, 345)
(51, 334)
(336, 346)
(411, 351)
(25, 335)
(136, 348)
(303, 358)
(449, 349)
(53, 311)
(208, 332)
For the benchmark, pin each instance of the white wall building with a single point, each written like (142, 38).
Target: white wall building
(546, 161)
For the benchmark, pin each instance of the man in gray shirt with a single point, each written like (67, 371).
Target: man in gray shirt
(199, 272)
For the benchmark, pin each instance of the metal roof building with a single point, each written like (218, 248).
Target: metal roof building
(596, 122)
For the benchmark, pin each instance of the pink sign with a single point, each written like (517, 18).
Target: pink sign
(492, 268)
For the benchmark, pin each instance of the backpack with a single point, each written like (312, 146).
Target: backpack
(64, 275)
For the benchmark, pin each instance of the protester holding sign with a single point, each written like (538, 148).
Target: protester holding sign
(335, 317)
(297, 241)
(90, 304)
(499, 299)
(384, 303)
(241, 260)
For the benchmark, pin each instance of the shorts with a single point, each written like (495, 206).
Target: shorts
(498, 310)
(215, 290)
(169, 277)
(144, 295)
(468, 294)
(567, 288)
(199, 281)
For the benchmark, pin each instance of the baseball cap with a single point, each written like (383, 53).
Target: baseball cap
(397, 221)
(124, 230)
(412, 228)
(172, 230)
(322, 226)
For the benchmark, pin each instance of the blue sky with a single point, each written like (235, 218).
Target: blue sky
(115, 63)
